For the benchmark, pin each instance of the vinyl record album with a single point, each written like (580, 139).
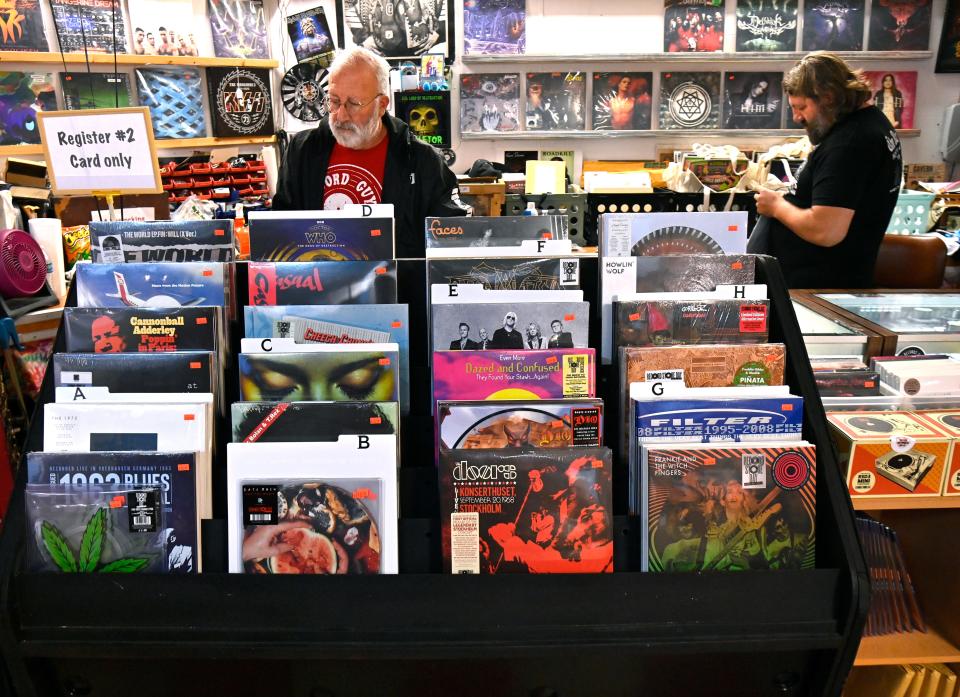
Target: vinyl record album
(676, 239)
(303, 89)
(240, 101)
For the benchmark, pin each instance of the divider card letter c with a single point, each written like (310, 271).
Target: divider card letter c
(266, 345)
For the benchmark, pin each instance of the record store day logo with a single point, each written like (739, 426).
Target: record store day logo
(690, 104)
(242, 101)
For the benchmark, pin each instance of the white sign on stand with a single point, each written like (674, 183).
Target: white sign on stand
(100, 150)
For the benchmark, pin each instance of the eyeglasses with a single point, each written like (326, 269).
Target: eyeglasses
(333, 104)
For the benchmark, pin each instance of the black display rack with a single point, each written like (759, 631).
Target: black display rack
(425, 633)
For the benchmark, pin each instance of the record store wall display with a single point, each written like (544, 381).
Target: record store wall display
(427, 114)
(833, 25)
(899, 25)
(948, 54)
(22, 95)
(397, 28)
(622, 101)
(895, 94)
(555, 101)
(96, 26)
(692, 25)
(169, 28)
(494, 27)
(175, 99)
(767, 25)
(22, 26)
(752, 100)
(240, 102)
(489, 102)
(95, 90)
(689, 100)
(302, 91)
(310, 36)
(239, 28)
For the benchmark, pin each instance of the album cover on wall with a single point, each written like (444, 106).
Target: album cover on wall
(622, 101)
(175, 99)
(397, 29)
(310, 35)
(689, 100)
(95, 90)
(140, 330)
(489, 102)
(240, 102)
(948, 52)
(692, 25)
(427, 114)
(899, 25)
(23, 27)
(150, 285)
(22, 95)
(767, 25)
(118, 241)
(295, 422)
(494, 27)
(96, 26)
(343, 235)
(239, 28)
(753, 100)
(895, 94)
(533, 326)
(833, 25)
(322, 283)
(555, 101)
(169, 28)
(506, 274)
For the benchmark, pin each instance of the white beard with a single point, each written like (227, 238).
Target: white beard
(353, 136)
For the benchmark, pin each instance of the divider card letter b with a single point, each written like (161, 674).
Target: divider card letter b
(100, 150)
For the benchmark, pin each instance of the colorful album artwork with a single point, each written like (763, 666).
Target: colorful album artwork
(95, 90)
(833, 25)
(405, 29)
(767, 25)
(948, 54)
(895, 94)
(239, 28)
(489, 102)
(168, 28)
(752, 100)
(310, 36)
(900, 25)
(22, 95)
(689, 100)
(555, 101)
(622, 101)
(96, 26)
(692, 25)
(240, 102)
(494, 27)
(21, 27)
(427, 114)
(175, 99)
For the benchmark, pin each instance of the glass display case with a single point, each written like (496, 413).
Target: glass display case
(827, 334)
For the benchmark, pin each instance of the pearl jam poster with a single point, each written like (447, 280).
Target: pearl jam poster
(622, 101)
(899, 25)
(833, 25)
(767, 25)
(752, 100)
(692, 25)
(21, 26)
(689, 100)
(396, 29)
(427, 114)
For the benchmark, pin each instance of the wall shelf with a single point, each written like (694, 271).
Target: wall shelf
(910, 647)
(742, 57)
(678, 132)
(876, 503)
(126, 59)
(162, 144)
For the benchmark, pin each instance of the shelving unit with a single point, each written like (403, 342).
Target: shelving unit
(676, 133)
(127, 59)
(661, 58)
(912, 647)
(162, 144)
(874, 503)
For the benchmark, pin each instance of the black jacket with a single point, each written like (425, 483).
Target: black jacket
(415, 180)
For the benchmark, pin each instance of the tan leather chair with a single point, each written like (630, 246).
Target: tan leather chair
(910, 261)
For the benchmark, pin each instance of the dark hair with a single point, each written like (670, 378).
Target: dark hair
(463, 324)
(893, 81)
(826, 78)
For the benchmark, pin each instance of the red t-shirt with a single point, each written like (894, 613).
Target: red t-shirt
(354, 176)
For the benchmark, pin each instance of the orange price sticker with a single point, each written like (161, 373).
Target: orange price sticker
(195, 365)
(375, 420)
(374, 233)
(551, 359)
(737, 265)
(218, 233)
(207, 272)
(786, 407)
(189, 417)
(732, 228)
(201, 320)
(116, 502)
(183, 467)
(380, 270)
(396, 325)
(709, 461)
(569, 318)
(384, 361)
(634, 317)
(869, 383)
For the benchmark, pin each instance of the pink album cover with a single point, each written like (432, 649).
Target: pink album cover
(895, 94)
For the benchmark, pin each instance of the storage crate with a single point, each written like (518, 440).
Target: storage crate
(911, 215)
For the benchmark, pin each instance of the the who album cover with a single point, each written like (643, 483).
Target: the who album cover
(753, 100)
(489, 102)
(169, 28)
(239, 28)
(622, 101)
(895, 94)
(150, 285)
(295, 422)
(322, 283)
(96, 26)
(310, 36)
(693, 25)
(171, 476)
(427, 114)
(95, 90)
(240, 102)
(175, 99)
(673, 322)
(655, 234)
(161, 240)
(729, 509)
(349, 374)
(22, 95)
(319, 236)
(164, 372)
(397, 29)
(494, 27)
(689, 100)
(506, 274)
(833, 25)
(522, 426)
(133, 330)
(555, 101)
(494, 231)
(542, 511)
(767, 25)
(21, 28)
(521, 374)
(899, 25)
(533, 326)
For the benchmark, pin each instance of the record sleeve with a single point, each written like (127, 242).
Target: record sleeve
(489, 102)
(707, 365)
(555, 101)
(171, 476)
(655, 234)
(22, 28)
(728, 509)
(833, 25)
(673, 322)
(296, 422)
(494, 27)
(543, 511)
(692, 25)
(622, 101)
(95, 90)
(22, 95)
(322, 283)
(310, 36)
(899, 25)
(397, 30)
(321, 235)
(95, 26)
(753, 100)
(948, 51)
(168, 28)
(240, 102)
(496, 231)
(847, 383)
(506, 274)
(303, 90)
(161, 240)
(175, 99)
(689, 100)
(239, 28)
(895, 94)
(427, 114)
(167, 371)
(150, 285)
(506, 326)
(767, 25)
(120, 330)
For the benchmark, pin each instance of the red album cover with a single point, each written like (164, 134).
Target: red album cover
(895, 94)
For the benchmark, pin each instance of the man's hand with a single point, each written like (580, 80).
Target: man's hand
(824, 226)
(267, 540)
(768, 202)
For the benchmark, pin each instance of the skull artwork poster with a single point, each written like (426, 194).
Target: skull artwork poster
(427, 114)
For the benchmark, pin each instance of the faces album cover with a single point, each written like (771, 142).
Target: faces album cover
(622, 101)
(489, 102)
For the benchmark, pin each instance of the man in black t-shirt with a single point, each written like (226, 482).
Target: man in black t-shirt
(827, 230)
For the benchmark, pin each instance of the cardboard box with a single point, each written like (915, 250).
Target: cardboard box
(923, 172)
(890, 454)
(948, 422)
(26, 173)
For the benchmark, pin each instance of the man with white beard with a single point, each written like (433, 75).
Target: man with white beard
(361, 154)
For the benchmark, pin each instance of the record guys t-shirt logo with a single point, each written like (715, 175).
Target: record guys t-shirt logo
(354, 176)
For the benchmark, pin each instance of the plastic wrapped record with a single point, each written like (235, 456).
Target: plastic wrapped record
(676, 239)
(303, 89)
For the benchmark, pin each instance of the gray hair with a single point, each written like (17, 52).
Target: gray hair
(356, 57)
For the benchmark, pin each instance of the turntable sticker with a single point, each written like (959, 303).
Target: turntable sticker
(465, 542)
(576, 380)
(863, 482)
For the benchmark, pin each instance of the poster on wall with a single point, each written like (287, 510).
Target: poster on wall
(489, 102)
(310, 36)
(95, 90)
(427, 114)
(895, 94)
(240, 102)
(752, 100)
(555, 101)
(622, 101)
(92, 25)
(494, 27)
(766, 25)
(239, 28)
(948, 55)
(833, 25)
(899, 25)
(168, 28)
(692, 25)
(22, 95)
(396, 29)
(689, 100)
(175, 98)
(22, 26)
